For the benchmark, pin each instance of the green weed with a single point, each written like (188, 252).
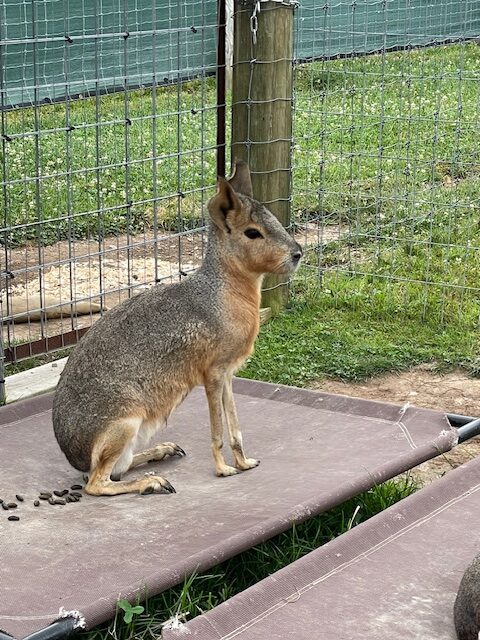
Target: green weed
(129, 610)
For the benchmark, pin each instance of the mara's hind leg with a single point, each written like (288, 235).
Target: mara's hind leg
(113, 448)
(157, 453)
(235, 435)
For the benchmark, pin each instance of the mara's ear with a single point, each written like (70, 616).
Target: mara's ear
(223, 202)
(241, 179)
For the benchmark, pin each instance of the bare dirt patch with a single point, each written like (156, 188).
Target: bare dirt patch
(28, 259)
(312, 234)
(106, 273)
(453, 392)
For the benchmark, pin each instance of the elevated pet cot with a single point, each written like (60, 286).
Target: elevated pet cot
(317, 450)
(395, 576)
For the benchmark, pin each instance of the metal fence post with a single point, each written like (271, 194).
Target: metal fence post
(3, 394)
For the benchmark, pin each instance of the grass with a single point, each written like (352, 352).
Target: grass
(376, 141)
(352, 329)
(89, 172)
(376, 136)
(36, 361)
(386, 150)
(202, 592)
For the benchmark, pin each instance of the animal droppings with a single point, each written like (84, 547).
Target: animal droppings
(59, 501)
(51, 500)
(19, 498)
(61, 493)
(4, 506)
(45, 495)
(36, 503)
(13, 518)
(76, 486)
(12, 505)
(76, 494)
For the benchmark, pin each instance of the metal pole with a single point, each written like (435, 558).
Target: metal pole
(221, 62)
(3, 393)
(468, 430)
(56, 631)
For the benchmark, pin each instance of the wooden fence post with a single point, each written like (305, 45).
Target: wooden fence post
(262, 92)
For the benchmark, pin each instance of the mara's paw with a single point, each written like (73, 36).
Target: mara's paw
(164, 450)
(156, 484)
(225, 471)
(247, 463)
(177, 451)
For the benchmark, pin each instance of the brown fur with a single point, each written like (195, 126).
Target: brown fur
(139, 361)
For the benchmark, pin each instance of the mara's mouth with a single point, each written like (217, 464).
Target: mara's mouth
(288, 267)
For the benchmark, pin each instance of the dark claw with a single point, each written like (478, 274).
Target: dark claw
(168, 487)
(180, 452)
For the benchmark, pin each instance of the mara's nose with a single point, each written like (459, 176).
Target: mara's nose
(296, 255)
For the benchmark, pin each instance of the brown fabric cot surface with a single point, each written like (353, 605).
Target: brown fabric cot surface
(317, 450)
(395, 576)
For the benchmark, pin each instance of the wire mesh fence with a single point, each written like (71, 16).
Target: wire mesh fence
(109, 134)
(108, 152)
(56, 49)
(386, 162)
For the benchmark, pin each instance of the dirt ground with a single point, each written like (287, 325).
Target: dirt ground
(453, 392)
(84, 270)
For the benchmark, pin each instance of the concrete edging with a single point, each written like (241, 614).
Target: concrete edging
(33, 382)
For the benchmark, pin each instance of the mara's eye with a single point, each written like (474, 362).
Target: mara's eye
(253, 233)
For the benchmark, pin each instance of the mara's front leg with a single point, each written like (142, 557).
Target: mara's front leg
(214, 389)
(235, 435)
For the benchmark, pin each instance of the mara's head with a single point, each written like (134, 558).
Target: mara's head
(248, 232)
